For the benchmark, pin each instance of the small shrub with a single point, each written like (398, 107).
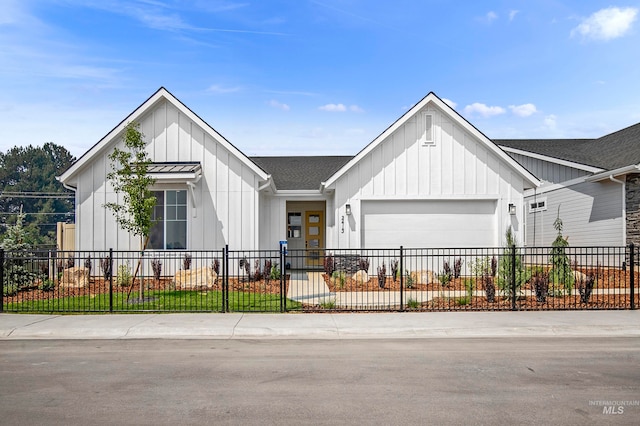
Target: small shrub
(363, 264)
(328, 304)
(47, 285)
(88, 264)
(258, 274)
(445, 278)
(156, 265)
(274, 272)
(339, 278)
(489, 288)
(9, 288)
(382, 275)
(329, 264)
(267, 270)
(540, 284)
(123, 278)
(105, 267)
(44, 269)
(457, 267)
(446, 268)
(462, 301)
(586, 287)
(408, 280)
(413, 304)
(215, 265)
(468, 285)
(394, 269)
(186, 262)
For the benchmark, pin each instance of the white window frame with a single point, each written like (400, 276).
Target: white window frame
(537, 207)
(164, 221)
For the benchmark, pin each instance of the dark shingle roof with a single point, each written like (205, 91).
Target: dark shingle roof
(291, 173)
(563, 149)
(613, 151)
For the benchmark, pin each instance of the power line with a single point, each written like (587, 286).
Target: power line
(36, 195)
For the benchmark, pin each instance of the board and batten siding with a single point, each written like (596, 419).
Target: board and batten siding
(591, 214)
(457, 166)
(226, 197)
(548, 171)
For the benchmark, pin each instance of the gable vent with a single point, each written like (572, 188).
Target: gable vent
(427, 133)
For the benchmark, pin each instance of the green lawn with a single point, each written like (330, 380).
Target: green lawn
(157, 300)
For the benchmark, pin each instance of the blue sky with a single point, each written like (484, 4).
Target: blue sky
(305, 77)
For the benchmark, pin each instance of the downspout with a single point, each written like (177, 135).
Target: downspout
(624, 207)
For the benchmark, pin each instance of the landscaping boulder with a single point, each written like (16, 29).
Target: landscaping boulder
(424, 277)
(195, 278)
(361, 276)
(76, 277)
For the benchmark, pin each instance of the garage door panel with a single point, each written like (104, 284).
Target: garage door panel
(387, 224)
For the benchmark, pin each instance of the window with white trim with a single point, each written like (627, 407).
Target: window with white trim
(426, 129)
(169, 231)
(538, 205)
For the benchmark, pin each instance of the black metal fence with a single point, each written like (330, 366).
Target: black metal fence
(401, 279)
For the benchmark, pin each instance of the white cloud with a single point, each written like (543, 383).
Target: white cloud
(606, 24)
(333, 108)
(275, 104)
(512, 14)
(450, 103)
(524, 110)
(355, 108)
(483, 110)
(217, 88)
(491, 16)
(550, 122)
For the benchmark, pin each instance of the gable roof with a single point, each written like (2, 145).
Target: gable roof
(300, 173)
(613, 151)
(160, 95)
(434, 99)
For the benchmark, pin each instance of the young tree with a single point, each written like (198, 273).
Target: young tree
(507, 268)
(561, 273)
(130, 179)
(16, 275)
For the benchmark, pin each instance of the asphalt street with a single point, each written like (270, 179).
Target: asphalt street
(516, 380)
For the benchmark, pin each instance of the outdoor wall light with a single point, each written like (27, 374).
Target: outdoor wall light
(347, 209)
(512, 209)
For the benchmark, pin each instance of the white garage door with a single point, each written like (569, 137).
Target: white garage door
(464, 223)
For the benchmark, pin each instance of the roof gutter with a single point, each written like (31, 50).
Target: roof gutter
(635, 168)
(267, 184)
(70, 188)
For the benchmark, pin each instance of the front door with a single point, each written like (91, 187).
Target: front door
(314, 237)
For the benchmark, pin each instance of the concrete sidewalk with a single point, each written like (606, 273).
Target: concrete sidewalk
(322, 326)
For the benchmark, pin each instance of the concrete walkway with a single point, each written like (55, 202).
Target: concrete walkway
(322, 326)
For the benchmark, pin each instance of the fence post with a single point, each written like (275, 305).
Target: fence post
(111, 280)
(632, 269)
(283, 277)
(513, 277)
(401, 279)
(1, 280)
(225, 279)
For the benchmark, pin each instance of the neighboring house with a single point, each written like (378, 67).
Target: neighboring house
(430, 179)
(592, 184)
